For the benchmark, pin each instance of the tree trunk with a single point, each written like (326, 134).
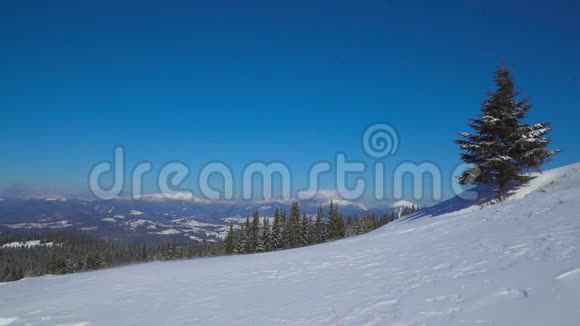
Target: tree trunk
(502, 187)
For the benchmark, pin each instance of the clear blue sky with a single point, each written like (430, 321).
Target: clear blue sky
(240, 81)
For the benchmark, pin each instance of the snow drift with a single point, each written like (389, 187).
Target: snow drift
(514, 263)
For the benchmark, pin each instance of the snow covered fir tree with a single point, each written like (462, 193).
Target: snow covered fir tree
(503, 147)
(300, 229)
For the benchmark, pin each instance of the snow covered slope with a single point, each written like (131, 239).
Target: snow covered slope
(514, 263)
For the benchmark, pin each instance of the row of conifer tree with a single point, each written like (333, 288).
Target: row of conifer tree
(71, 252)
(298, 229)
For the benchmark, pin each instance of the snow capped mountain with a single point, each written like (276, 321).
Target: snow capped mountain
(26, 244)
(456, 263)
(310, 200)
(402, 203)
(185, 196)
(155, 215)
(177, 196)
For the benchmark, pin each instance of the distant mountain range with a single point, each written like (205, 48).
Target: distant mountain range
(154, 216)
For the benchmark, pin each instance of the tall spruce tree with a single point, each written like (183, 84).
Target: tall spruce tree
(335, 223)
(229, 241)
(294, 225)
(276, 231)
(331, 222)
(306, 229)
(341, 225)
(266, 235)
(239, 242)
(285, 231)
(247, 238)
(503, 147)
(320, 227)
(256, 243)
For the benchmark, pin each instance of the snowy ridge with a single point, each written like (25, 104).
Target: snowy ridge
(27, 244)
(560, 179)
(402, 203)
(514, 263)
